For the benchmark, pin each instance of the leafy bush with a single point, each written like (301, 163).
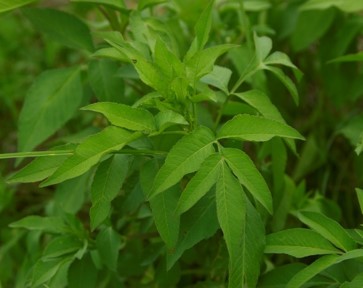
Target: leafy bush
(164, 144)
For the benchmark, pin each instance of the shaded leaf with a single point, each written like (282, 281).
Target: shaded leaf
(116, 4)
(6, 5)
(298, 242)
(108, 243)
(61, 27)
(107, 182)
(50, 102)
(263, 46)
(328, 228)
(47, 224)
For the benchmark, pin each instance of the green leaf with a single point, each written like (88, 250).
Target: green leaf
(104, 82)
(290, 86)
(61, 245)
(61, 27)
(279, 58)
(360, 198)
(310, 26)
(106, 184)
(328, 228)
(263, 46)
(357, 57)
(167, 118)
(200, 222)
(40, 168)
(219, 77)
(346, 5)
(357, 282)
(90, 153)
(231, 212)
(310, 271)
(50, 102)
(254, 128)
(163, 207)
(201, 183)
(202, 62)
(6, 5)
(116, 4)
(82, 273)
(147, 3)
(44, 271)
(124, 116)
(248, 175)
(47, 224)
(298, 242)
(185, 157)
(108, 243)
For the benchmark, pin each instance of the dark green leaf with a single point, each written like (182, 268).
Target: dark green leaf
(60, 246)
(61, 27)
(47, 224)
(117, 4)
(6, 5)
(108, 244)
(107, 182)
(50, 102)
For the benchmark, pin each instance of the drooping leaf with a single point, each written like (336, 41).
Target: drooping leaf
(116, 4)
(104, 81)
(263, 46)
(6, 5)
(328, 228)
(61, 27)
(231, 212)
(90, 152)
(50, 102)
(346, 5)
(201, 183)
(185, 157)
(248, 175)
(167, 118)
(219, 77)
(290, 86)
(47, 224)
(124, 116)
(198, 223)
(254, 128)
(163, 207)
(107, 182)
(108, 244)
(310, 271)
(298, 242)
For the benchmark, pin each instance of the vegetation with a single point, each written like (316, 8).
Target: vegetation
(181, 143)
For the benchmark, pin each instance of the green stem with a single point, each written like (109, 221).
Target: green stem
(245, 24)
(36, 154)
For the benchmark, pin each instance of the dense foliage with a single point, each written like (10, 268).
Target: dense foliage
(181, 143)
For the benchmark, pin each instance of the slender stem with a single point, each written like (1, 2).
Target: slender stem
(36, 154)
(245, 23)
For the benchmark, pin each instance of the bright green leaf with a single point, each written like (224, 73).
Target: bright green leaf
(61, 27)
(167, 118)
(263, 46)
(107, 182)
(61, 245)
(185, 157)
(147, 3)
(124, 116)
(248, 175)
(117, 4)
(360, 198)
(254, 128)
(50, 102)
(298, 242)
(328, 228)
(108, 243)
(201, 183)
(219, 77)
(90, 152)
(6, 5)
(345, 5)
(357, 57)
